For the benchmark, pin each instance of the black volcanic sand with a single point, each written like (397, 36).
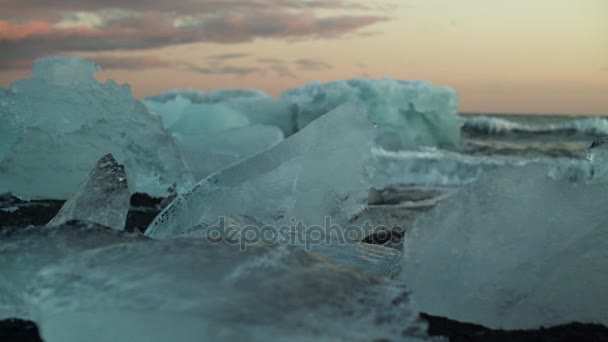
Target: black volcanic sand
(15, 212)
(18, 213)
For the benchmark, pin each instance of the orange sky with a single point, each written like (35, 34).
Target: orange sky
(518, 56)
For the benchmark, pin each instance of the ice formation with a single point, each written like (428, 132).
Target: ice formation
(597, 154)
(322, 171)
(239, 107)
(408, 113)
(102, 198)
(210, 152)
(82, 281)
(515, 250)
(24, 251)
(62, 120)
(245, 230)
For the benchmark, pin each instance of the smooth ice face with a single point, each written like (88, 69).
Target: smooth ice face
(65, 120)
(192, 290)
(322, 171)
(208, 153)
(515, 250)
(408, 113)
(102, 198)
(24, 251)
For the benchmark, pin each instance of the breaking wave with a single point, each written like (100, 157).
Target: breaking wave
(482, 125)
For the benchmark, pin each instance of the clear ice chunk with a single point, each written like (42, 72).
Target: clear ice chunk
(516, 250)
(210, 152)
(24, 251)
(322, 171)
(102, 198)
(64, 120)
(191, 290)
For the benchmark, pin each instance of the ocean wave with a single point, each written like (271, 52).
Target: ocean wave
(434, 167)
(483, 125)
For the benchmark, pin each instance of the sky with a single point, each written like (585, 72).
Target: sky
(517, 56)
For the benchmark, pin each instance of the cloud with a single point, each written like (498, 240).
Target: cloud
(46, 7)
(267, 60)
(36, 38)
(227, 56)
(312, 64)
(134, 63)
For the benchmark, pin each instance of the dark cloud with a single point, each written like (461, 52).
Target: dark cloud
(312, 64)
(24, 8)
(227, 56)
(34, 39)
(270, 61)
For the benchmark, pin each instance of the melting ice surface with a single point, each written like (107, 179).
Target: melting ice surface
(58, 123)
(515, 250)
(85, 282)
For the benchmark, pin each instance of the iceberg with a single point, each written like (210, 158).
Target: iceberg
(239, 107)
(320, 172)
(515, 250)
(408, 113)
(102, 198)
(62, 120)
(191, 290)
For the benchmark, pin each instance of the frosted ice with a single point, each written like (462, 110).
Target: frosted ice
(516, 250)
(320, 171)
(210, 152)
(24, 251)
(192, 290)
(102, 198)
(65, 120)
(408, 113)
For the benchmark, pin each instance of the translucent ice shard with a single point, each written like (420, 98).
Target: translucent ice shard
(192, 290)
(102, 198)
(210, 152)
(63, 120)
(24, 251)
(322, 171)
(516, 250)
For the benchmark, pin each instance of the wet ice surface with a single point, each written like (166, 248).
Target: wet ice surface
(123, 287)
(24, 251)
(515, 250)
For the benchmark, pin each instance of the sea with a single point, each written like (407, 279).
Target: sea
(558, 142)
